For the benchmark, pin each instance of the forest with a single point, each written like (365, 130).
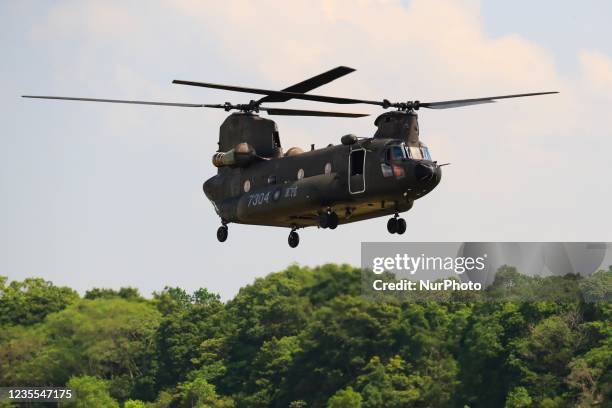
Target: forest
(307, 337)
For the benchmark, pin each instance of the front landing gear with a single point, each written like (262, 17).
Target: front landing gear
(294, 238)
(396, 225)
(222, 233)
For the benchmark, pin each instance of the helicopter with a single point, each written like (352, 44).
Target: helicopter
(360, 178)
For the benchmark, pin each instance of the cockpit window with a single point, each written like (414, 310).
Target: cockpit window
(418, 153)
(414, 152)
(394, 153)
(425, 151)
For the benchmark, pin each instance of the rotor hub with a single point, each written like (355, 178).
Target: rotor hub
(407, 106)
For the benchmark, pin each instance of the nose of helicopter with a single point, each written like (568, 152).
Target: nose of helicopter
(425, 171)
(428, 175)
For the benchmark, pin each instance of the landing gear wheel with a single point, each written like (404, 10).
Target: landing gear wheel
(294, 239)
(333, 220)
(401, 226)
(222, 233)
(328, 220)
(392, 225)
(324, 220)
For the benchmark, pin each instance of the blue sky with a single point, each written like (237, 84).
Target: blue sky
(563, 27)
(105, 195)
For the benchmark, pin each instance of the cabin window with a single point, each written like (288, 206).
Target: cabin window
(272, 179)
(300, 174)
(357, 158)
(328, 169)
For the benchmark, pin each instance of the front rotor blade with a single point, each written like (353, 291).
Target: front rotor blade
(301, 112)
(65, 98)
(475, 101)
(279, 94)
(310, 84)
(448, 105)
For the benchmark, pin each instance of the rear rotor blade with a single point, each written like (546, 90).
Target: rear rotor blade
(475, 101)
(310, 84)
(301, 112)
(65, 98)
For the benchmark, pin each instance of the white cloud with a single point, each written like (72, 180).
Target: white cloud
(597, 69)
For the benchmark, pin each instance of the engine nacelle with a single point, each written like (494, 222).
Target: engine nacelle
(241, 155)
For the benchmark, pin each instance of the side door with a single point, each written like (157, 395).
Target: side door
(356, 171)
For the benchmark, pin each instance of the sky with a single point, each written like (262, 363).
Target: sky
(101, 195)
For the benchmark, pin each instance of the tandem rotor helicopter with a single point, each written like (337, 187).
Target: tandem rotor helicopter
(360, 178)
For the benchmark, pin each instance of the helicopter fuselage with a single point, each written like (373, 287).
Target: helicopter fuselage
(357, 181)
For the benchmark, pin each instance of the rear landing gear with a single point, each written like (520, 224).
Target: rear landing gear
(222, 233)
(328, 219)
(396, 225)
(294, 239)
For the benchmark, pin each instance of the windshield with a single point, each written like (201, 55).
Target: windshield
(395, 153)
(425, 151)
(418, 153)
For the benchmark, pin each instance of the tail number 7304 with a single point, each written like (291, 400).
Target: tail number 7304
(258, 199)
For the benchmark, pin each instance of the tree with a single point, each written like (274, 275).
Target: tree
(124, 293)
(482, 358)
(270, 307)
(189, 321)
(518, 398)
(270, 369)
(89, 392)
(200, 393)
(543, 357)
(591, 376)
(171, 300)
(21, 360)
(306, 337)
(598, 287)
(391, 385)
(342, 336)
(107, 338)
(345, 398)
(134, 404)
(30, 301)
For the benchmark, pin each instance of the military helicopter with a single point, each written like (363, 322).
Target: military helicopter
(360, 178)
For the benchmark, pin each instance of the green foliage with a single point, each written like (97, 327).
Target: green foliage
(518, 398)
(124, 293)
(200, 393)
(345, 398)
(598, 287)
(270, 368)
(389, 385)
(134, 404)
(89, 392)
(189, 335)
(173, 300)
(28, 302)
(108, 338)
(305, 337)
(543, 357)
